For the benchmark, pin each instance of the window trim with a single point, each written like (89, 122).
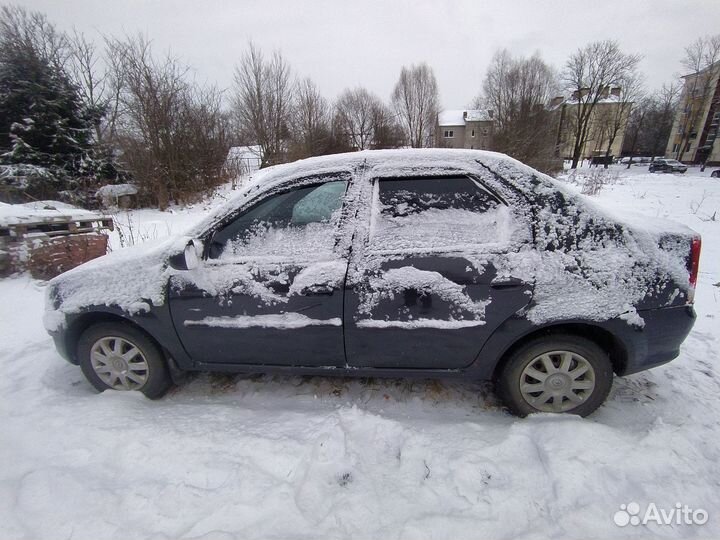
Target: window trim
(449, 134)
(300, 183)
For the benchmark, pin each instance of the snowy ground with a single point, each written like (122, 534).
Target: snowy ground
(289, 457)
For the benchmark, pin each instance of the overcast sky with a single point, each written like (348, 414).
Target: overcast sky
(366, 42)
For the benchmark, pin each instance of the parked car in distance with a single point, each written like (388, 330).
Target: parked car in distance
(667, 166)
(715, 173)
(636, 160)
(404, 263)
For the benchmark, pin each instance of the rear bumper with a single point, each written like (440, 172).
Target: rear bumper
(659, 340)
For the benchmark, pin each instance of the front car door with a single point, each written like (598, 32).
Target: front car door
(270, 288)
(431, 280)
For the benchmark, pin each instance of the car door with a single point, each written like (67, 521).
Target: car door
(432, 280)
(270, 288)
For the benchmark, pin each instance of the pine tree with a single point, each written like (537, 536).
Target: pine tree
(44, 124)
(42, 121)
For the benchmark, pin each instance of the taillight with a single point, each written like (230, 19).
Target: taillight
(693, 265)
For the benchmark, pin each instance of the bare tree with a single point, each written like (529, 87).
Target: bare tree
(650, 122)
(387, 131)
(415, 100)
(263, 101)
(172, 132)
(588, 74)
(702, 64)
(613, 119)
(99, 84)
(517, 90)
(635, 128)
(30, 30)
(310, 121)
(356, 116)
(664, 106)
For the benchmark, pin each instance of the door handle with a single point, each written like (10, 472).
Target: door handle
(504, 284)
(318, 290)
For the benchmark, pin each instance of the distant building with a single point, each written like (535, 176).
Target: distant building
(596, 144)
(464, 129)
(694, 136)
(243, 160)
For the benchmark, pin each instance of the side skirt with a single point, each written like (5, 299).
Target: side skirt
(337, 371)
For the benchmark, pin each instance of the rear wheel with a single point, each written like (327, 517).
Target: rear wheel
(560, 374)
(116, 356)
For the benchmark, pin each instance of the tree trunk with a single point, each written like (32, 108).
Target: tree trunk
(607, 151)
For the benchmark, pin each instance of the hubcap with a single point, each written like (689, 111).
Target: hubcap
(557, 381)
(119, 363)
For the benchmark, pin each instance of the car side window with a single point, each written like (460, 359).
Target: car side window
(436, 213)
(300, 222)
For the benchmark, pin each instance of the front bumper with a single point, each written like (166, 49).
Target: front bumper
(62, 348)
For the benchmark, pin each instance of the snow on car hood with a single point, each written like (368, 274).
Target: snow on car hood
(133, 279)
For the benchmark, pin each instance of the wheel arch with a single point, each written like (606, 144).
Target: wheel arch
(90, 318)
(602, 337)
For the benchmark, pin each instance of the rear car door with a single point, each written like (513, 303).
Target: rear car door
(270, 288)
(432, 280)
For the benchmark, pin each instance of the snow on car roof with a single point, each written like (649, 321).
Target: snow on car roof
(402, 162)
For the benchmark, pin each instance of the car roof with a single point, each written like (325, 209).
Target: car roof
(400, 162)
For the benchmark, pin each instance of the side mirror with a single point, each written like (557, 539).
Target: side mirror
(189, 258)
(192, 259)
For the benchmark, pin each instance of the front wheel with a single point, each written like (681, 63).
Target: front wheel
(116, 356)
(558, 374)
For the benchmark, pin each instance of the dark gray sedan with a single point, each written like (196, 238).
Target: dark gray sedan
(667, 166)
(410, 263)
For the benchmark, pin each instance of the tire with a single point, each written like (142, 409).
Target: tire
(141, 367)
(589, 388)
(715, 174)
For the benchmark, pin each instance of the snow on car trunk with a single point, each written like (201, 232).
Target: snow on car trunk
(291, 457)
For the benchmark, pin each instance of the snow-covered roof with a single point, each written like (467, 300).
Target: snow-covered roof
(478, 115)
(244, 152)
(610, 98)
(117, 190)
(458, 117)
(712, 66)
(43, 211)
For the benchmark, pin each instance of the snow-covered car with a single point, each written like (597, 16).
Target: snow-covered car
(429, 263)
(667, 165)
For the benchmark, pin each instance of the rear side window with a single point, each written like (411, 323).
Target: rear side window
(436, 213)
